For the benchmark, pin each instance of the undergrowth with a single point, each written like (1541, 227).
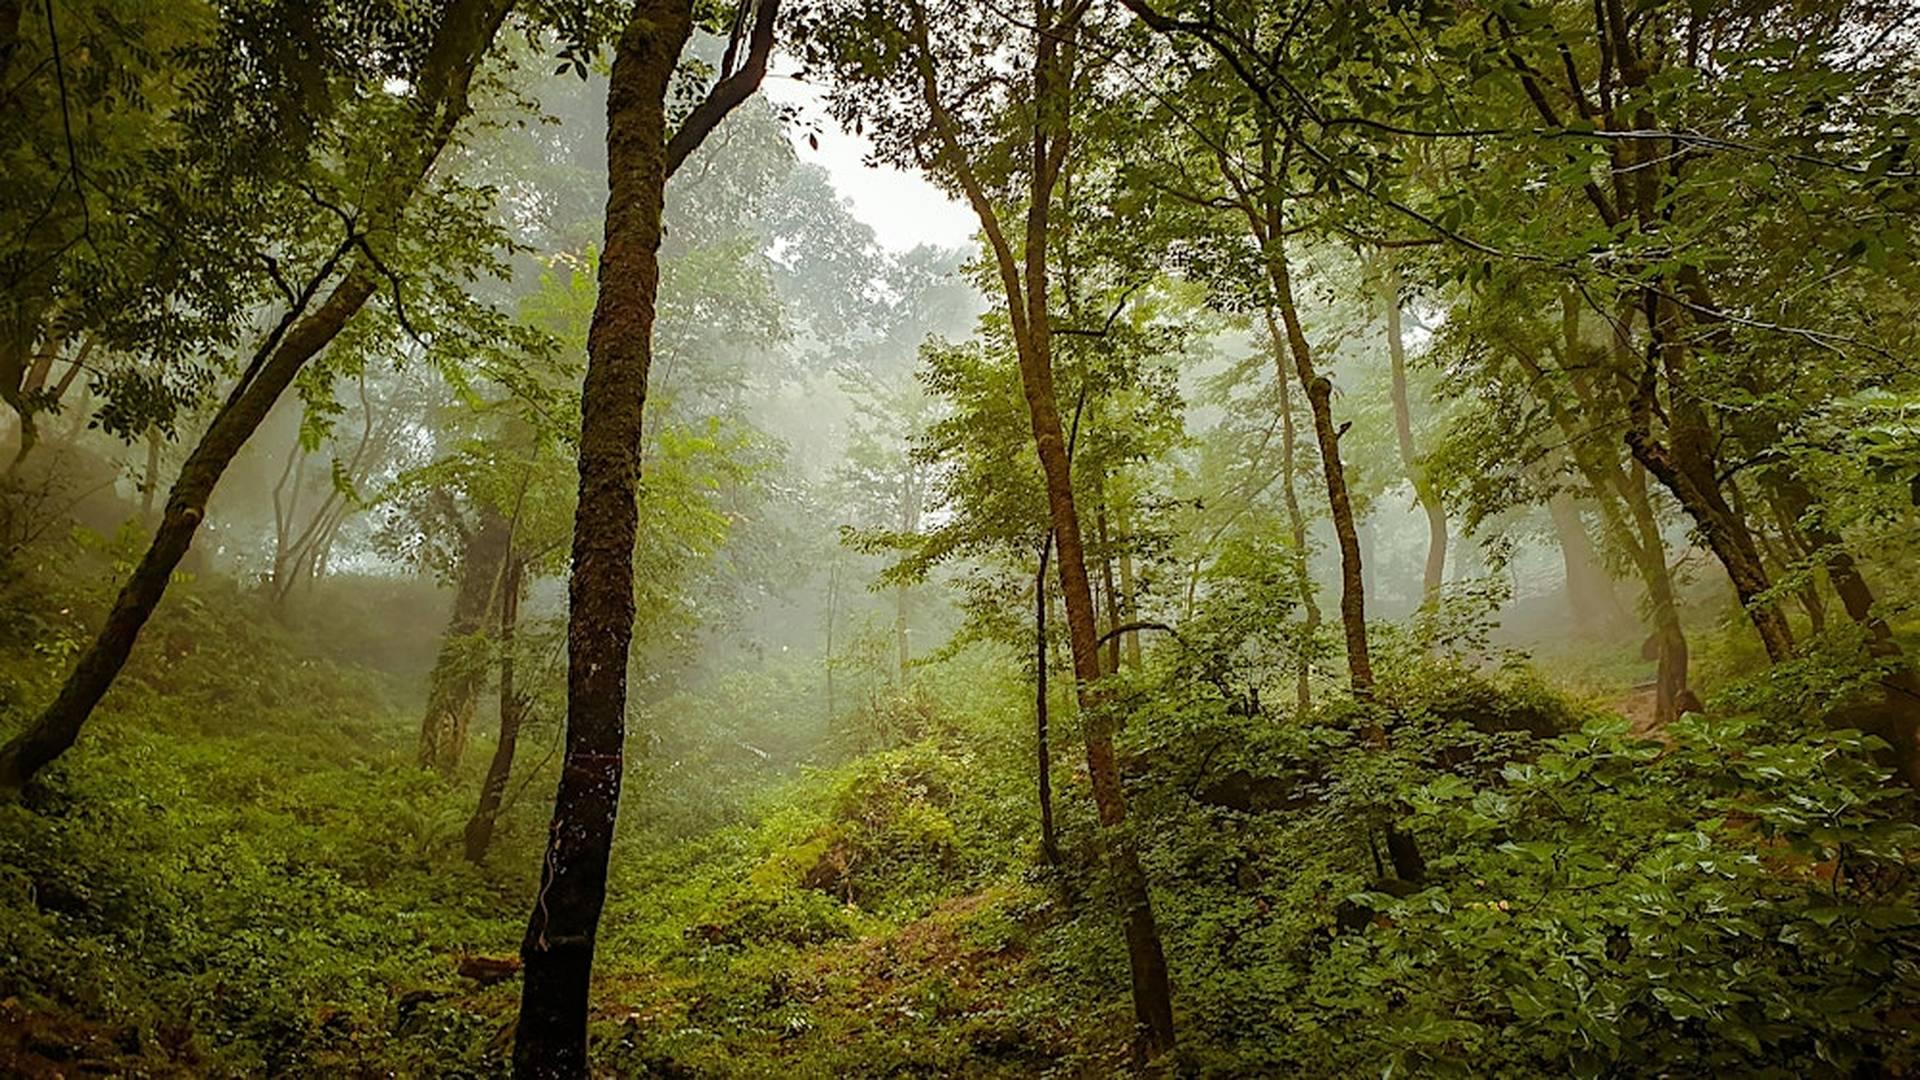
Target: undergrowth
(241, 871)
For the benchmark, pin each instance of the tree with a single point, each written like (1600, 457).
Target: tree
(460, 671)
(478, 833)
(926, 118)
(1423, 489)
(551, 1040)
(1256, 167)
(1502, 338)
(1648, 189)
(430, 117)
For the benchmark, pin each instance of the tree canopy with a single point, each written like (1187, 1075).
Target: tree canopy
(1390, 549)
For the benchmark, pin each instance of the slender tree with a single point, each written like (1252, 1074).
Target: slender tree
(1264, 207)
(1257, 185)
(1424, 490)
(1256, 164)
(1023, 275)
(919, 76)
(642, 153)
(478, 834)
(1043, 740)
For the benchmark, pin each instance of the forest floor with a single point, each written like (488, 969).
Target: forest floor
(1637, 706)
(241, 871)
(57, 1044)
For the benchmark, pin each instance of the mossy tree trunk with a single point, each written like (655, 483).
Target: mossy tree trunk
(558, 948)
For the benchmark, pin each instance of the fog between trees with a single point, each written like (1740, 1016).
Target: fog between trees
(1391, 549)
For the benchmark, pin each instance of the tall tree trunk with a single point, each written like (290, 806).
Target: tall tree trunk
(1423, 489)
(1296, 520)
(1153, 1007)
(1686, 465)
(479, 831)
(1054, 45)
(1266, 216)
(557, 951)
(466, 30)
(1268, 228)
(1319, 391)
(1152, 988)
(1129, 596)
(453, 691)
(1106, 579)
(1685, 462)
(1043, 744)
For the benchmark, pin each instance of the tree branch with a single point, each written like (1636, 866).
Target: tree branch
(733, 88)
(1128, 628)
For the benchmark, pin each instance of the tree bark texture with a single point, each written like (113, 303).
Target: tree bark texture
(557, 951)
(1026, 291)
(551, 1040)
(1319, 391)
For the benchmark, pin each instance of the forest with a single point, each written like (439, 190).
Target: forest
(973, 538)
